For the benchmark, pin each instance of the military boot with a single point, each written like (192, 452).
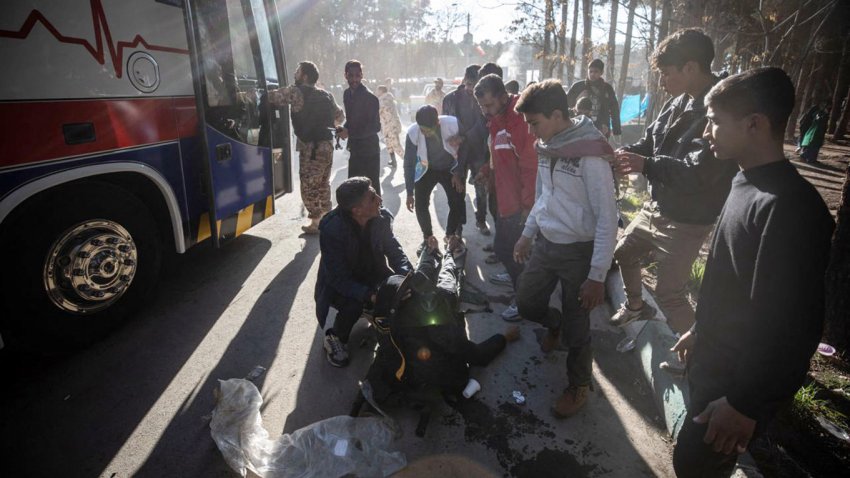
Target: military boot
(571, 401)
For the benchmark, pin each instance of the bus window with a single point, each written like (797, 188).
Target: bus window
(231, 96)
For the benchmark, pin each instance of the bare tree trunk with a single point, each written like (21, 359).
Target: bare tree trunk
(562, 37)
(841, 128)
(547, 41)
(837, 319)
(653, 7)
(800, 103)
(627, 47)
(840, 85)
(571, 66)
(612, 42)
(664, 24)
(586, 43)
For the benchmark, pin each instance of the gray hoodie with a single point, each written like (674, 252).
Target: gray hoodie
(576, 199)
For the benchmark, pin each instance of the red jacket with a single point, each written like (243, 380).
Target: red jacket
(514, 159)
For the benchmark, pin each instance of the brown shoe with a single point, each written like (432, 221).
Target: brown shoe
(512, 333)
(549, 341)
(571, 401)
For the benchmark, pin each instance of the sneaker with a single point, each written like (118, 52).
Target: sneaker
(626, 315)
(335, 351)
(483, 228)
(674, 367)
(571, 401)
(502, 278)
(511, 314)
(492, 259)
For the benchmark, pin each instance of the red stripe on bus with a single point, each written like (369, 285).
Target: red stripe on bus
(34, 130)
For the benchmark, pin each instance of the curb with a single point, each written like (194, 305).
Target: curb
(653, 340)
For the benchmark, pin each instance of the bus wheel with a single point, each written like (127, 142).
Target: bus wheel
(87, 256)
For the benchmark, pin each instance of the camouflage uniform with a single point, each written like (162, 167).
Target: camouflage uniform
(390, 123)
(435, 99)
(315, 159)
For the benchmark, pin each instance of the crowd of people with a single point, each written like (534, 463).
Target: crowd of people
(541, 163)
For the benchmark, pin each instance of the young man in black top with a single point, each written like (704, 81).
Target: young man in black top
(605, 110)
(761, 305)
(363, 122)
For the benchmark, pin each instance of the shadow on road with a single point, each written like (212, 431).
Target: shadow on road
(72, 416)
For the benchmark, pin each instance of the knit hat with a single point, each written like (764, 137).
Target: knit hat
(389, 295)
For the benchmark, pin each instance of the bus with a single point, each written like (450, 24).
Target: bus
(129, 128)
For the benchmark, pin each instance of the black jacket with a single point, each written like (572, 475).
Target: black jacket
(472, 127)
(688, 182)
(606, 109)
(341, 246)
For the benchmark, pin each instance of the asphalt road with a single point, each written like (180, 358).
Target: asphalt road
(138, 402)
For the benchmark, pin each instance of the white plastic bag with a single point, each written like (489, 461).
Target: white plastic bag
(329, 448)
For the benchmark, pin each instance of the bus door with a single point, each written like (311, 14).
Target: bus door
(233, 66)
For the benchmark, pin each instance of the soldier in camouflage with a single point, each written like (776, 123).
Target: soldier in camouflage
(390, 124)
(315, 115)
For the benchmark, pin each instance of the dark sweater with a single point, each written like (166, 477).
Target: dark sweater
(761, 306)
(361, 113)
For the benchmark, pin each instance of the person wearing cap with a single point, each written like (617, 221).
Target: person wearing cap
(359, 250)
(431, 158)
(435, 96)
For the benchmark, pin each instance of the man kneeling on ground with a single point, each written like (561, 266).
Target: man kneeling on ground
(359, 251)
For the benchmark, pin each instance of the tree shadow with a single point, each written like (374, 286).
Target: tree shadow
(77, 413)
(256, 343)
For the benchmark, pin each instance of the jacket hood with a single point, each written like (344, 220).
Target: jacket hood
(582, 139)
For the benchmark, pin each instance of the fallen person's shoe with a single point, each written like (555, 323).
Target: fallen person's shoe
(512, 333)
(549, 341)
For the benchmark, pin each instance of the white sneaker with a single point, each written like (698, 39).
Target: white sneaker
(626, 315)
(511, 314)
(501, 279)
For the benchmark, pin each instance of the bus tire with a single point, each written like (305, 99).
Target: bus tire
(84, 257)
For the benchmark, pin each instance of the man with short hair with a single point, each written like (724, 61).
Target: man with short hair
(363, 122)
(435, 96)
(605, 110)
(314, 116)
(472, 128)
(512, 87)
(761, 306)
(359, 250)
(431, 158)
(573, 229)
(688, 184)
(514, 167)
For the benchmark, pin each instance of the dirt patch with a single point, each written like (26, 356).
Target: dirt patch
(496, 429)
(552, 463)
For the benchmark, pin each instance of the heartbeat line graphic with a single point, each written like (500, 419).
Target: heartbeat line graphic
(101, 30)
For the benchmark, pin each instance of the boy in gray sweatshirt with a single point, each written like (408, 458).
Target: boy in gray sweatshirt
(570, 233)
